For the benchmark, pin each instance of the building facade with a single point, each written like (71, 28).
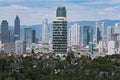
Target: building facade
(87, 35)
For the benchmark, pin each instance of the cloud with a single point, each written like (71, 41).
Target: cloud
(33, 12)
(11, 0)
(108, 9)
(28, 15)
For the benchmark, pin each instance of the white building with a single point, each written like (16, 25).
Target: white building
(20, 47)
(117, 30)
(8, 47)
(1, 45)
(110, 30)
(74, 35)
(111, 47)
(50, 43)
(45, 31)
(102, 47)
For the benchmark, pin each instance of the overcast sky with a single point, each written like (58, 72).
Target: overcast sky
(34, 11)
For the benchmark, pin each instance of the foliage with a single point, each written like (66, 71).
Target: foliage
(53, 69)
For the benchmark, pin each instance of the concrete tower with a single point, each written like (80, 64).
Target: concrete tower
(60, 32)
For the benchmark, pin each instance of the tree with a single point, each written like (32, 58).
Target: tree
(3, 64)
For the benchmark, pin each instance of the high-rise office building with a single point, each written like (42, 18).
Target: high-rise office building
(87, 35)
(110, 31)
(100, 31)
(45, 31)
(74, 35)
(28, 36)
(17, 28)
(60, 32)
(4, 32)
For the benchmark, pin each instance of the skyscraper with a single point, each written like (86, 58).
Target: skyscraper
(45, 31)
(4, 32)
(100, 31)
(74, 35)
(87, 35)
(60, 32)
(17, 28)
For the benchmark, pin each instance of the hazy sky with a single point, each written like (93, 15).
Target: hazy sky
(34, 11)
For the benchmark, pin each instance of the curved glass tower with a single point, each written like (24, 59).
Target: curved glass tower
(61, 12)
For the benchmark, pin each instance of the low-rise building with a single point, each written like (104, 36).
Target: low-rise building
(20, 47)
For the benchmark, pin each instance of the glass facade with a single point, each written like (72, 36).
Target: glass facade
(4, 32)
(87, 35)
(28, 35)
(61, 12)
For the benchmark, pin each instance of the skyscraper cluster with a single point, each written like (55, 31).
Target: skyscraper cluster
(8, 35)
(76, 37)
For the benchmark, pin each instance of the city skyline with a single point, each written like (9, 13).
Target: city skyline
(33, 12)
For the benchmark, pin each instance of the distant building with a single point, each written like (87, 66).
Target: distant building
(33, 36)
(74, 35)
(110, 30)
(102, 46)
(117, 31)
(60, 32)
(50, 43)
(100, 34)
(111, 47)
(20, 47)
(45, 32)
(4, 32)
(8, 47)
(91, 46)
(17, 28)
(11, 36)
(87, 35)
(28, 36)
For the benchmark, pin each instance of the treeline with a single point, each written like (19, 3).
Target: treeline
(70, 68)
